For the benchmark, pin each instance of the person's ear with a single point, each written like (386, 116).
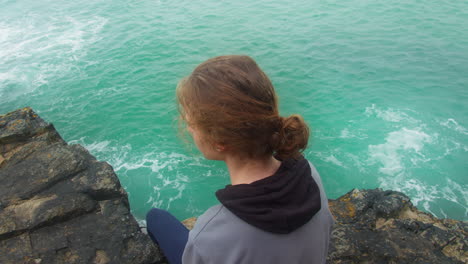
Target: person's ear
(220, 147)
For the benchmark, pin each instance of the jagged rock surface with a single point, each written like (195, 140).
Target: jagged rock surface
(376, 226)
(58, 204)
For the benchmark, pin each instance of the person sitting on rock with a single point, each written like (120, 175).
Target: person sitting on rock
(275, 210)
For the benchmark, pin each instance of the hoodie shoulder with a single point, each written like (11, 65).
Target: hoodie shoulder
(205, 219)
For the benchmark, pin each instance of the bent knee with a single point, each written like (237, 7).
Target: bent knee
(155, 213)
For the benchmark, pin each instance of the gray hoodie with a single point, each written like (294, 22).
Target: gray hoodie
(283, 218)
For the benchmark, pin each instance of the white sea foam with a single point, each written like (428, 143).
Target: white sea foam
(105, 150)
(424, 194)
(345, 133)
(42, 50)
(153, 160)
(357, 134)
(97, 146)
(453, 124)
(409, 148)
(6, 76)
(158, 163)
(5, 32)
(330, 157)
(180, 190)
(356, 162)
(334, 160)
(419, 191)
(449, 146)
(390, 115)
(414, 144)
(398, 144)
(456, 193)
(141, 222)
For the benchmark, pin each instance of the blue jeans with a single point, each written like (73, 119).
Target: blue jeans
(168, 232)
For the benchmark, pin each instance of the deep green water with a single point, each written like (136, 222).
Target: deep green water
(383, 84)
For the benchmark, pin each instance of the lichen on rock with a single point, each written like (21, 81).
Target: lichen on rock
(377, 226)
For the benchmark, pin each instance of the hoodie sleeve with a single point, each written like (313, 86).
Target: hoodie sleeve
(191, 255)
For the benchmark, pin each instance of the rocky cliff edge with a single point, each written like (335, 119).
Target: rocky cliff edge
(58, 204)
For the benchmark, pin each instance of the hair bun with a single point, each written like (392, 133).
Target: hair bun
(292, 138)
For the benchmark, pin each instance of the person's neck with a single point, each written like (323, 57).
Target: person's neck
(245, 171)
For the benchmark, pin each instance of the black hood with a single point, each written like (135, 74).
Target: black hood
(280, 203)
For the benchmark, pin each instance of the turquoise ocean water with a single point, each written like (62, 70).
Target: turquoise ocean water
(383, 84)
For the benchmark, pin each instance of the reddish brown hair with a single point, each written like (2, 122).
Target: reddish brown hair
(232, 102)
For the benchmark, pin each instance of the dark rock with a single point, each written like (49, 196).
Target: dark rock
(376, 226)
(58, 204)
